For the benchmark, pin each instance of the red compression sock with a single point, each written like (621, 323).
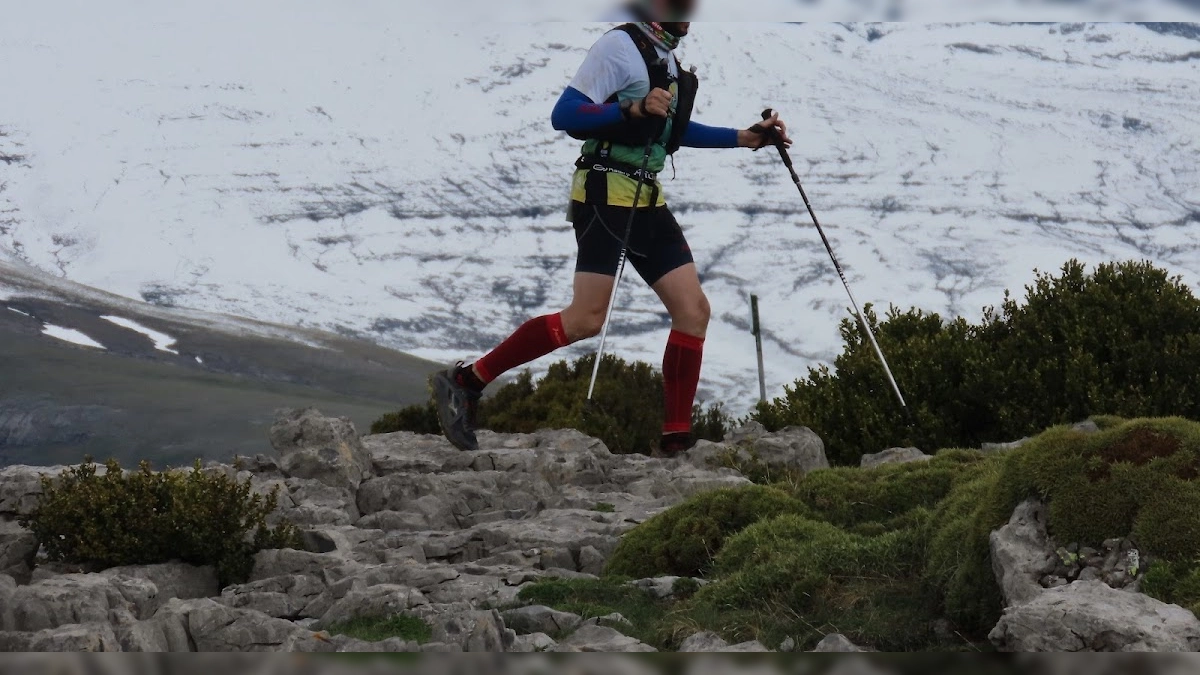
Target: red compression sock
(535, 338)
(681, 375)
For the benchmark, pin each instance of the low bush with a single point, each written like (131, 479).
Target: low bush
(1122, 340)
(1136, 479)
(792, 576)
(626, 412)
(683, 540)
(144, 517)
(881, 555)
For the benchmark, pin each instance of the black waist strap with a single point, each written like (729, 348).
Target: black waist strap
(607, 165)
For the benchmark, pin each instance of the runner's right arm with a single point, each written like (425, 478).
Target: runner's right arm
(608, 69)
(576, 112)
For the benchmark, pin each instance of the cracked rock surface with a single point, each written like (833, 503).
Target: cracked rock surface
(393, 524)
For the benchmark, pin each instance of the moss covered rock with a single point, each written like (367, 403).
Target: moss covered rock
(683, 540)
(887, 555)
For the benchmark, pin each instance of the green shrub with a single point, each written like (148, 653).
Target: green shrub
(377, 628)
(1138, 478)
(793, 576)
(421, 419)
(145, 517)
(626, 412)
(683, 540)
(1124, 340)
(877, 497)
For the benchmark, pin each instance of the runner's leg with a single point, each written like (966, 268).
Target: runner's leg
(669, 269)
(681, 294)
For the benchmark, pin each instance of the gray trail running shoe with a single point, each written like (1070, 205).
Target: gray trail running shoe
(457, 406)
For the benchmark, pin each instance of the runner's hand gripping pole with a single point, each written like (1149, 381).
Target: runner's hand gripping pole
(862, 321)
(612, 298)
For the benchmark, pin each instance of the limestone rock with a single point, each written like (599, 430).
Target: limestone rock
(394, 644)
(289, 596)
(836, 642)
(540, 619)
(795, 448)
(317, 504)
(534, 642)
(894, 456)
(325, 449)
(173, 579)
(792, 449)
(92, 637)
(1022, 553)
(750, 431)
(276, 562)
(74, 599)
(473, 631)
(704, 641)
(1004, 447)
(1091, 616)
(18, 546)
(207, 626)
(591, 561)
(381, 600)
(601, 639)
(20, 487)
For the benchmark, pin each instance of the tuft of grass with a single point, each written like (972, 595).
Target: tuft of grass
(377, 628)
(604, 507)
(599, 597)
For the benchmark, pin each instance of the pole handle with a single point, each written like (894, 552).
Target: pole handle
(778, 142)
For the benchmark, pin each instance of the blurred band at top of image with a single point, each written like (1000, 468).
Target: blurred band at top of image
(826, 10)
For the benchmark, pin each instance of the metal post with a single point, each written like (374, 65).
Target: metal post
(757, 329)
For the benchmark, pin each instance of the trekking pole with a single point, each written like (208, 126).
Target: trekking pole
(862, 321)
(612, 298)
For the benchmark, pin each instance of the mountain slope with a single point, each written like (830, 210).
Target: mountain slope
(86, 372)
(357, 172)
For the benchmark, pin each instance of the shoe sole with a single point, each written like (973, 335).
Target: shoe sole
(438, 387)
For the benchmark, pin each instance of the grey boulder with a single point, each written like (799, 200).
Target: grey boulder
(74, 599)
(92, 637)
(893, 456)
(18, 547)
(601, 639)
(326, 449)
(204, 625)
(836, 642)
(1022, 553)
(381, 600)
(1090, 616)
(534, 642)
(173, 579)
(540, 619)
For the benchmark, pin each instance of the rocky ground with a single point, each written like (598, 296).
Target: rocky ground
(405, 524)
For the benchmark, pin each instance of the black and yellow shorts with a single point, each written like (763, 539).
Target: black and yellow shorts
(656, 242)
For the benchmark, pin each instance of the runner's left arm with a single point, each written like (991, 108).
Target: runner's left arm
(702, 136)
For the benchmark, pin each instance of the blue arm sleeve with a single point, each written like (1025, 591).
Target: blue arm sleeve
(576, 112)
(700, 136)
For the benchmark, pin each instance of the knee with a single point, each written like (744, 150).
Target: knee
(692, 317)
(583, 324)
(698, 312)
(592, 324)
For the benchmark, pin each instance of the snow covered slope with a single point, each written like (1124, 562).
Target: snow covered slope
(353, 171)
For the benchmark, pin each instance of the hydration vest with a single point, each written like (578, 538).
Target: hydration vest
(636, 132)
